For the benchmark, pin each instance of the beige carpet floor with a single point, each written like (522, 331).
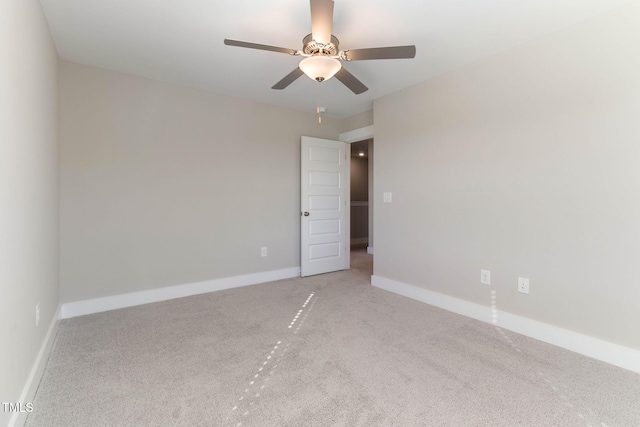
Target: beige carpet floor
(327, 350)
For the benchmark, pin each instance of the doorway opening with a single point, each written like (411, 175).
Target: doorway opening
(361, 204)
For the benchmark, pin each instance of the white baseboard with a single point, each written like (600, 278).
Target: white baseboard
(97, 305)
(29, 391)
(370, 250)
(605, 351)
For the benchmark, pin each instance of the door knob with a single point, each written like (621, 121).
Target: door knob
(306, 214)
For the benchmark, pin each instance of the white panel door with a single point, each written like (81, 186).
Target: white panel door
(324, 211)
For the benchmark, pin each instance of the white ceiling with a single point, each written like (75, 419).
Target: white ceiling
(182, 41)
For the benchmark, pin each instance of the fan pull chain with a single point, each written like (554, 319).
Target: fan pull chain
(319, 109)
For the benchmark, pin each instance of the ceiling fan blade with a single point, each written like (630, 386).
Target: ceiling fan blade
(238, 43)
(350, 81)
(393, 52)
(288, 79)
(321, 20)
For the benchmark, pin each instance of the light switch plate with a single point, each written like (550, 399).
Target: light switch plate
(386, 197)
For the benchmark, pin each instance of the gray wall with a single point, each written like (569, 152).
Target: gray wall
(371, 192)
(28, 191)
(525, 164)
(359, 193)
(163, 185)
(359, 179)
(357, 121)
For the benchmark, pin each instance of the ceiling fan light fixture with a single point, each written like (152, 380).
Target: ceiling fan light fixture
(320, 67)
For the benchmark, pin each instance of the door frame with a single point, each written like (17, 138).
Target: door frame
(350, 137)
(357, 135)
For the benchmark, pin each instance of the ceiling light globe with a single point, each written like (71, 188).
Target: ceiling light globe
(320, 68)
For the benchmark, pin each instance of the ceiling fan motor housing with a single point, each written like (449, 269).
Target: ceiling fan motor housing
(312, 47)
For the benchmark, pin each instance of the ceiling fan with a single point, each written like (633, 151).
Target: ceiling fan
(322, 55)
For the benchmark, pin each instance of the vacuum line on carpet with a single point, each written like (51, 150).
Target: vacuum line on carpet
(252, 393)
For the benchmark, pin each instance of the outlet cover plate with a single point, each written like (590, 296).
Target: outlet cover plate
(485, 277)
(523, 285)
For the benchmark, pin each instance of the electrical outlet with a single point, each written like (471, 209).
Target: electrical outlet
(263, 251)
(523, 285)
(485, 277)
(37, 314)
